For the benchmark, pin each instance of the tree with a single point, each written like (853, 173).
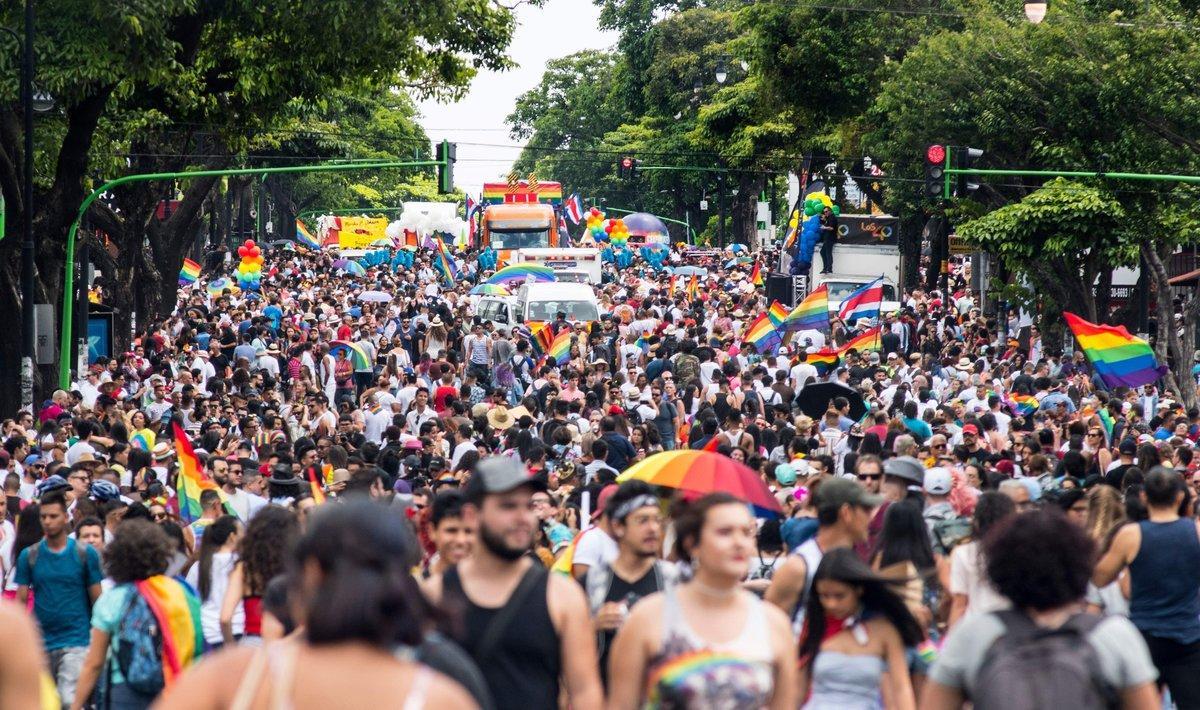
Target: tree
(226, 68)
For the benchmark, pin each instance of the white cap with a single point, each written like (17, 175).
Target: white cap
(938, 481)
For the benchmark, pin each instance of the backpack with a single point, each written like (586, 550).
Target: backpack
(1030, 667)
(946, 533)
(140, 646)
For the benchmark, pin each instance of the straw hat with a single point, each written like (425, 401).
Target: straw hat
(500, 418)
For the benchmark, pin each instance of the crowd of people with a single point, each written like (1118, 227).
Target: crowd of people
(408, 506)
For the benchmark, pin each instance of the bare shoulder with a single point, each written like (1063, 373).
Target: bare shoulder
(445, 693)
(776, 619)
(210, 683)
(564, 594)
(431, 587)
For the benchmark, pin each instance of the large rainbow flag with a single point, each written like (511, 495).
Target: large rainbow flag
(189, 273)
(192, 479)
(560, 348)
(177, 611)
(824, 360)
(866, 342)
(305, 237)
(1120, 359)
(812, 313)
(763, 335)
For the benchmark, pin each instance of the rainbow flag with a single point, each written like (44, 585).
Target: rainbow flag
(1119, 358)
(777, 313)
(540, 337)
(671, 288)
(189, 273)
(517, 273)
(314, 474)
(812, 313)
(192, 479)
(763, 335)
(305, 237)
(756, 276)
(177, 611)
(824, 360)
(693, 288)
(1108, 423)
(445, 262)
(1024, 404)
(866, 342)
(560, 347)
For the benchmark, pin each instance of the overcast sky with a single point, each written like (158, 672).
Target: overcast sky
(485, 149)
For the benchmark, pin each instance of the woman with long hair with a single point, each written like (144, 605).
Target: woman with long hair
(136, 561)
(28, 532)
(855, 635)
(210, 575)
(969, 586)
(903, 554)
(261, 554)
(708, 642)
(1105, 516)
(354, 603)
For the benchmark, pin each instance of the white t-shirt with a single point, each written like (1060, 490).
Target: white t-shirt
(210, 608)
(594, 547)
(968, 576)
(78, 449)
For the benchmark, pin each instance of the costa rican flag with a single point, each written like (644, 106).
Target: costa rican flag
(574, 208)
(471, 205)
(863, 303)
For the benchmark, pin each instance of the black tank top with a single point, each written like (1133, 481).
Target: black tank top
(524, 668)
(721, 407)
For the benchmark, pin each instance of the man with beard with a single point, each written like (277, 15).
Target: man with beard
(523, 626)
(229, 475)
(613, 588)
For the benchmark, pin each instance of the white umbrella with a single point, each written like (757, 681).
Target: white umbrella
(374, 296)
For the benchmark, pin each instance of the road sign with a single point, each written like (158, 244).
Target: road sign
(959, 246)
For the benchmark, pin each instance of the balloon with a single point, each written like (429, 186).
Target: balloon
(248, 243)
(608, 228)
(837, 211)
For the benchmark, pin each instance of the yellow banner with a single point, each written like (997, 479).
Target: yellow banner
(361, 232)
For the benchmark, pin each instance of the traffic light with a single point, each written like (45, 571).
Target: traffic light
(965, 160)
(446, 154)
(935, 171)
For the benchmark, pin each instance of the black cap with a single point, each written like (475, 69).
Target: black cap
(499, 474)
(1127, 447)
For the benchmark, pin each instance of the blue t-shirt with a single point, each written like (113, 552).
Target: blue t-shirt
(919, 429)
(60, 596)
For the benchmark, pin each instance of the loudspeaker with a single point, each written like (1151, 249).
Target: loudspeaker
(782, 288)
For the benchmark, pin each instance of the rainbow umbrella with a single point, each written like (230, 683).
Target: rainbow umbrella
(704, 472)
(490, 290)
(358, 357)
(217, 286)
(522, 272)
(354, 268)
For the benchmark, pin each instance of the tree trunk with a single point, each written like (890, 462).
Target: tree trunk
(1168, 346)
(910, 249)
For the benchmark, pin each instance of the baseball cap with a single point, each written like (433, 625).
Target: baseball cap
(51, 484)
(970, 429)
(1128, 447)
(836, 492)
(938, 481)
(905, 467)
(499, 474)
(785, 473)
(31, 460)
(606, 493)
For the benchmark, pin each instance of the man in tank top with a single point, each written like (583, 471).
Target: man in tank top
(1162, 554)
(525, 628)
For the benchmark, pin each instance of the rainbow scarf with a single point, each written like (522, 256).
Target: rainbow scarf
(177, 611)
(192, 479)
(560, 348)
(812, 313)
(1119, 358)
(189, 273)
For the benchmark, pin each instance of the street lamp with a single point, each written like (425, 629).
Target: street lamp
(722, 71)
(43, 101)
(697, 86)
(1035, 12)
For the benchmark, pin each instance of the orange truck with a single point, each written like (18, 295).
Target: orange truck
(519, 217)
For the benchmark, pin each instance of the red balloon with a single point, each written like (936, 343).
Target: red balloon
(255, 251)
(248, 243)
(243, 252)
(608, 228)
(595, 211)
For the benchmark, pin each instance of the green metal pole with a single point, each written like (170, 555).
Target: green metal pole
(1147, 177)
(665, 219)
(64, 366)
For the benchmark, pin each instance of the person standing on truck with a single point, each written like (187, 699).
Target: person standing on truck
(829, 231)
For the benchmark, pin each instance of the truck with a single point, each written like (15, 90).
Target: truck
(519, 216)
(857, 264)
(574, 265)
(542, 302)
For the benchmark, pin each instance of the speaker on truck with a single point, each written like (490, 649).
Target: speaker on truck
(779, 288)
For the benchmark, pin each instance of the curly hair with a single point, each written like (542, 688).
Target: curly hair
(263, 551)
(1039, 560)
(138, 550)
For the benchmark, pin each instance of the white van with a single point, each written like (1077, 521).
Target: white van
(544, 301)
(570, 265)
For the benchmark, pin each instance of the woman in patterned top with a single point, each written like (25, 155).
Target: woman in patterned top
(707, 643)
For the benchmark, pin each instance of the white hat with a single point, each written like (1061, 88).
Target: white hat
(938, 481)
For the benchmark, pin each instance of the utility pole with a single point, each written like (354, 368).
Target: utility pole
(28, 336)
(721, 209)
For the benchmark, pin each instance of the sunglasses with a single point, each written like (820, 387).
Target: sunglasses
(158, 516)
(870, 476)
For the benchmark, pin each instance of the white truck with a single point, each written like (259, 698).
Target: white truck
(542, 302)
(857, 264)
(578, 265)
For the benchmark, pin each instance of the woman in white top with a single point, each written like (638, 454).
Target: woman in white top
(970, 590)
(210, 577)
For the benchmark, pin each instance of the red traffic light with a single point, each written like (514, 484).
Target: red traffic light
(936, 154)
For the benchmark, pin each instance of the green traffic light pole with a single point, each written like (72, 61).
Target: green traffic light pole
(64, 368)
(687, 226)
(1145, 177)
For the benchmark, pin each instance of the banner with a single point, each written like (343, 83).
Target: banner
(361, 232)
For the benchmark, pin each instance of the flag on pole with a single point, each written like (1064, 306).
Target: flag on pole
(824, 360)
(192, 479)
(560, 347)
(471, 205)
(445, 262)
(671, 288)
(763, 335)
(693, 288)
(866, 342)
(863, 303)
(812, 313)
(189, 273)
(756, 276)
(574, 208)
(778, 314)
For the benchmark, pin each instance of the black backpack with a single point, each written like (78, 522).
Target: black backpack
(1033, 668)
